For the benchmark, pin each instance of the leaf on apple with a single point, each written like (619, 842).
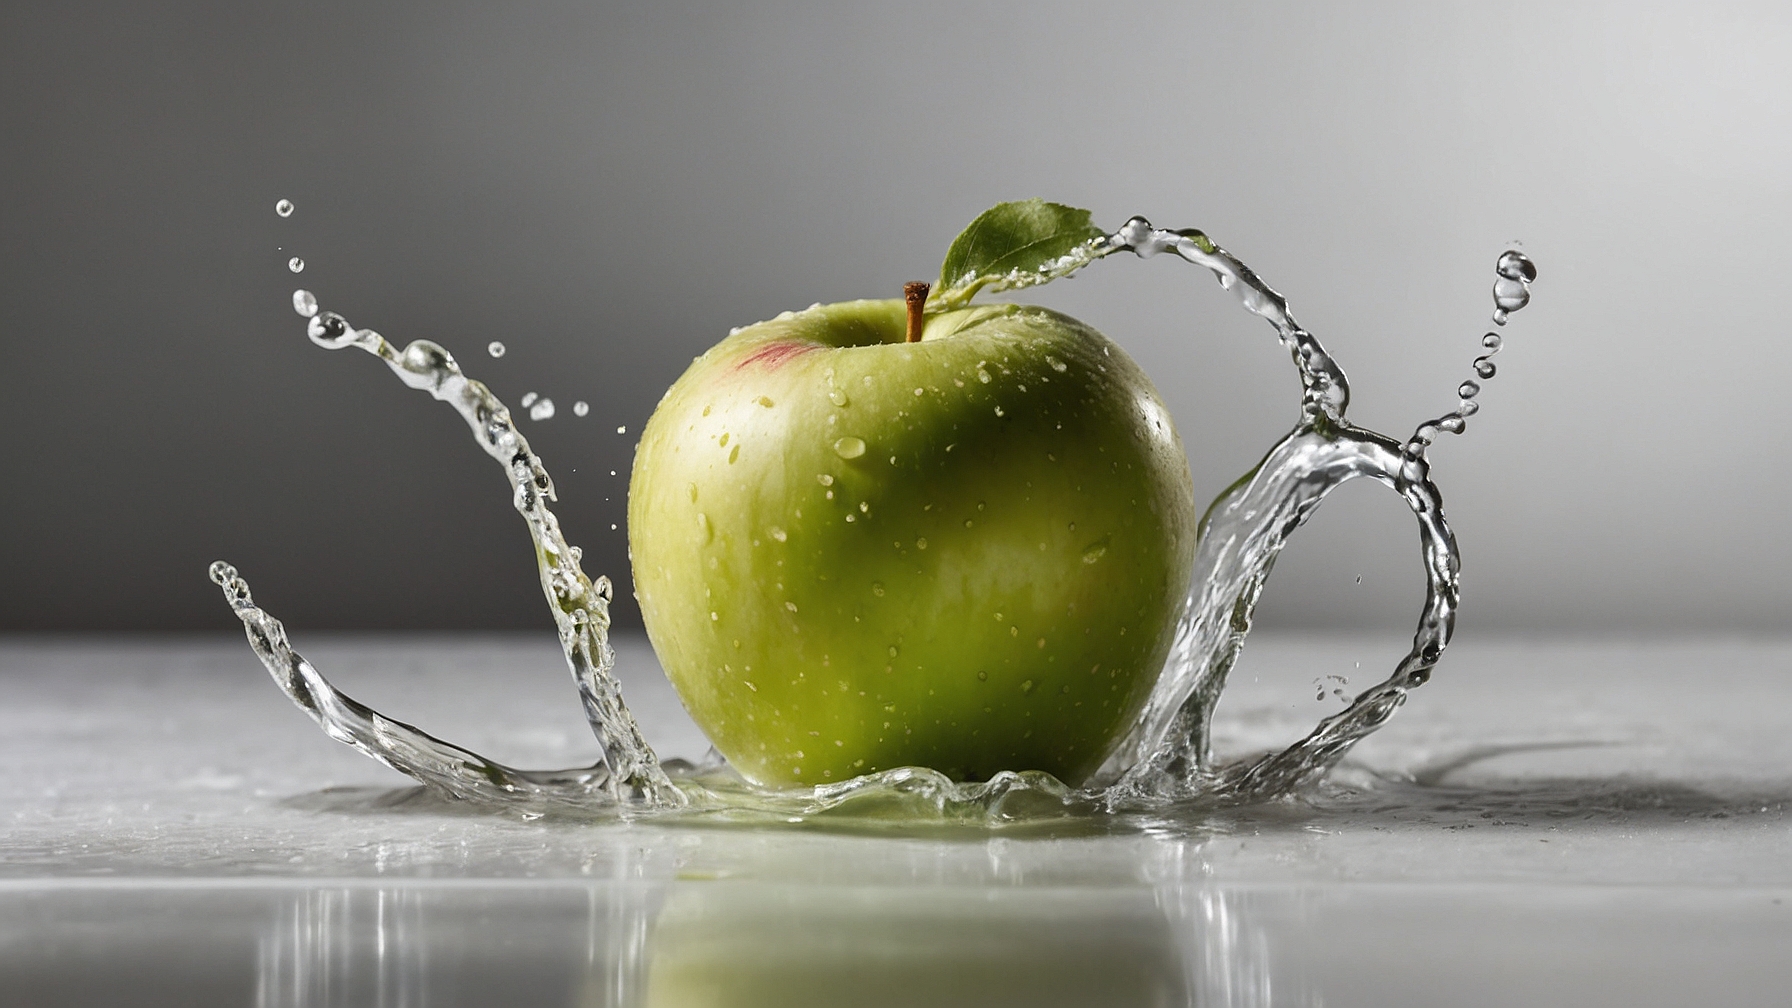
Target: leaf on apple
(1017, 244)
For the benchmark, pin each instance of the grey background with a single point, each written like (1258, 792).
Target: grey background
(609, 189)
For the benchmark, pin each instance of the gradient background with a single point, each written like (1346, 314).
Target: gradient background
(609, 190)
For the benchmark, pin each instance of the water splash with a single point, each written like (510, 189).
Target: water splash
(1166, 758)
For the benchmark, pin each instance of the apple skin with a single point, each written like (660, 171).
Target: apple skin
(990, 583)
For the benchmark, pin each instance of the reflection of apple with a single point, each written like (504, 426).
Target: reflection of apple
(750, 945)
(854, 551)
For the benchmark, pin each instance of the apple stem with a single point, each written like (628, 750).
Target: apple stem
(915, 293)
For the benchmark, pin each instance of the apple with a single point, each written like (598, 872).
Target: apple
(913, 532)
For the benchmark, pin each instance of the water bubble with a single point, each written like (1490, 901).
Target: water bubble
(1492, 341)
(530, 397)
(849, 447)
(296, 264)
(581, 408)
(1484, 367)
(837, 397)
(622, 430)
(1515, 265)
(304, 302)
(1510, 295)
(1468, 390)
(283, 208)
(495, 348)
(542, 410)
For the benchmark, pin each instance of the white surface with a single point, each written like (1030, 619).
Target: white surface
(1603, 820)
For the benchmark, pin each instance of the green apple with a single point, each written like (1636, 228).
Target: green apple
(875, 534)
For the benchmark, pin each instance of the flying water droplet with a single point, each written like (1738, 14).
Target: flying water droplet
(283, 208)
(1484, 367)
(581, 408)
(296, 264)
(495, 348)
(849, 447)
(529, 398)
(1510, 295)
(542, 410)
(304, 302)
(622, 430)
(330, 330)
(1515, 265)
(1468, 390)
(1492, 341)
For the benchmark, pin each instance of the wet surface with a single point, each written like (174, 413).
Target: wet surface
(1604, 820)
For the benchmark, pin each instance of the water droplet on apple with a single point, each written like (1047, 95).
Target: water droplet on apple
(284, 208)
(765, 401)
(495, 348)
(715, 617)
(824, 479)
(837, 397)
(920, 543)
(779, 534)
(983, 376)
(892, 650)
(690, 488)
(920, 392)
(849, 447)
(542, 410)
(703, 528)
(1027, 686)
(982, 676)
(1057, 365)
(296, 264)
(877, 588)
(529, 399)
(1095, 551)
(304, 302)
(999, 411)
(581, 408)
(790, 606)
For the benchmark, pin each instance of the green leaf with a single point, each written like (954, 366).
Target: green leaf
(1017, 244)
